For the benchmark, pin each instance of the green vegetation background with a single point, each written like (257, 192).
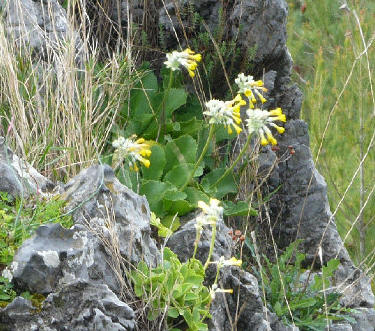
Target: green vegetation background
(326, 43)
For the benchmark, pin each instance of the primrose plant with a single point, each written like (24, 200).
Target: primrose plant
(175, 290)
(177, 176)
(165, 148)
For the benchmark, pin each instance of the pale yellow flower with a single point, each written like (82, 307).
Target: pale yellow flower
(133, 150)
(251, 88)
(215, 290)
(226, 113)
(258, 121)
(187, 59)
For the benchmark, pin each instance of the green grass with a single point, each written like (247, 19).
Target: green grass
(326, 45)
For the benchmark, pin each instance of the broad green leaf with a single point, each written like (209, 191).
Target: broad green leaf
(171, 222)
(222, 134)
(157, 163)
(174, 99)
(195, 280)
(226, 186)
(240, 208)
(181, 207)
(180, 173)
(194, 195)
(173, 312)
(141, 95)
(180, 150)
(191, 109)
(154, 192)
(190, 127)
(191, 296)
(175, 195)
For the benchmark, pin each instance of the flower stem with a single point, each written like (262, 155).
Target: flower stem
(204, 151)
(198, 237)
(162, 114)
(213, 237)
(239, 157)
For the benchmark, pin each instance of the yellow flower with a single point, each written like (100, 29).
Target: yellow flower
(258, 121)
(215, 290)
(226, 112)
(133, 150)
(210, 213)
(231, 262)
(251, 88)
(187, 59)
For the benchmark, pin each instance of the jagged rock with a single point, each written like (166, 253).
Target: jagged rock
(111, 223)
(79, 306)
(56, 256)
(182, 242)
(17, 177)
(246, 310)
(252, 316)
(40, 25)
(96, 198)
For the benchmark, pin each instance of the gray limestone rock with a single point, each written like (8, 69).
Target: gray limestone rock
(99, 201)
(17, 177)
(111, 224)
(182, 243)
(56, 256)
(79, 306)
(40, 25)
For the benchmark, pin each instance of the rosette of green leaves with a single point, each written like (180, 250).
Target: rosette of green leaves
(176, 288)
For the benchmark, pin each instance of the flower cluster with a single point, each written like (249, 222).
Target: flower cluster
(210, 214)
(133, 150)
(226, 112)
(187, 59)
(258, 121)
(248, 86)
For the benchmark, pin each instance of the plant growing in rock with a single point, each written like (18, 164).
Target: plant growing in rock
(175, 289)
(296, 300)
(177, 140)
(20, 218)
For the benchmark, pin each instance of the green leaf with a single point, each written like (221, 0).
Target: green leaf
(331, 267)
(190, 127)
(180, 207)
(140, 96)
(180, 173)
(226, 186)
(301, 303)
(241, 208)
(180, 150)
(278, 309)
(154, 192)
(173, 312)
(157, 163)
(171, 222)
(174, 99)
(194, 195)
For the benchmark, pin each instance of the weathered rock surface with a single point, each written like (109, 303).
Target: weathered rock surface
(77, 306)
(17, 177)
(98, 200)
(40, 25)
(111, 224)
(81, 269)
(249, 310)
